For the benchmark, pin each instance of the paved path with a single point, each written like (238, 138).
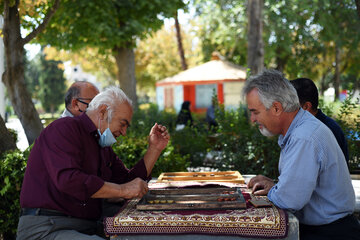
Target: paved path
(356, 185)
(15, 124)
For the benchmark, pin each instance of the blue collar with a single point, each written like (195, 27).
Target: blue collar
(295, 122)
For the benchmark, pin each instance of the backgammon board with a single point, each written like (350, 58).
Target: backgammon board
(216, 198)
(225, 176)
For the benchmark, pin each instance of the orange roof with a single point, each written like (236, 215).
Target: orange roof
(214, 70)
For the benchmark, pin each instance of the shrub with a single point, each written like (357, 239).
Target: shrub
(186, 148)
(349, 120)
(241, 145)
(130, 150)
(145, 117)
(191, 141)
(12, 168)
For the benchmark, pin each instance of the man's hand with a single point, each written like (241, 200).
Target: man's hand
(260, 185)
(134, 189)
(158, 137)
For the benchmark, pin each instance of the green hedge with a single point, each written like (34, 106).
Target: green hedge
(130, 150)
(349, 120)
(12, 168)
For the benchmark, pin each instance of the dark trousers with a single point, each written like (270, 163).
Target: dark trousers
(56, 228)
(342, 229)
(36, 223)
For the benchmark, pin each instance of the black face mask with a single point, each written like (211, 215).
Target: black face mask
(87, 105)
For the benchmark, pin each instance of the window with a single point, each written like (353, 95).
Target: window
(204, 94)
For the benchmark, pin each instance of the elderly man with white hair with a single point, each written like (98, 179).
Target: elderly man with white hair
(72, 167)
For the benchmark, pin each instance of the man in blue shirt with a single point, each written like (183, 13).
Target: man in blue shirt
(314, 181)
(309, 101)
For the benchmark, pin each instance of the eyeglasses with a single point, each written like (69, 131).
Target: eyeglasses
(124, 123)
(80, 100)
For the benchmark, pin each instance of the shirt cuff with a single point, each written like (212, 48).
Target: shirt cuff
(93, 184)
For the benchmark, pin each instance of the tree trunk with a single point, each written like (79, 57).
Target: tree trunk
(323, 85)
(13, 76)
(255, 44)
(280, 60)
(337, 72)
(179, 43)
(125, 61)
(6, 140)
(280, 64)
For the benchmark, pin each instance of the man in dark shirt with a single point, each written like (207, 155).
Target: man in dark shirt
(309, 100)
(72, 167)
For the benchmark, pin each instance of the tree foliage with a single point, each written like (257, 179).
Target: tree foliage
(52, 82)
(32, 16)
(299, 36)
(222, 27)
(106, 24)
(157, 56)
(12, 168)
(109, 26)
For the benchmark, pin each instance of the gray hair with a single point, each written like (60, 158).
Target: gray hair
(72, 92)
(111, 97)
(273, 87)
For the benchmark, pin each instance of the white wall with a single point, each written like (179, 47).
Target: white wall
(232, 94)
(75, 73)
(160, 98)
(178, 97)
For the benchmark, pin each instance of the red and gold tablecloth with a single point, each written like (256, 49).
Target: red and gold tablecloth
(270, 222)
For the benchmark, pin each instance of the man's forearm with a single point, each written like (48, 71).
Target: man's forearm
(108, 190)
(150, 158)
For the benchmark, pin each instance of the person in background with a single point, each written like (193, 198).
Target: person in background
(78, 97)
(184, 118)
(309, 101)
(210, 115)
(72, 167)
(314, 181)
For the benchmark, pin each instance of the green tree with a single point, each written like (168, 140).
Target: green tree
(340, 32)
(222, 27)
(31, 75)
(102, 65)
(157, 56)
(34, 17)
(314, 39)
(52, 84)
(110, 26)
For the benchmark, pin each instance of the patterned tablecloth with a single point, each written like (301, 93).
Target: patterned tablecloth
(269, 222)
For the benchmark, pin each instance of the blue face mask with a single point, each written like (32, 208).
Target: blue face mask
(106, 138)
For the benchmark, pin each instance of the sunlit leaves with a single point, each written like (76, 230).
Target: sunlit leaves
(106, 24)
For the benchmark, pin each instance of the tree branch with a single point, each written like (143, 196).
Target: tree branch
(42, 26)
